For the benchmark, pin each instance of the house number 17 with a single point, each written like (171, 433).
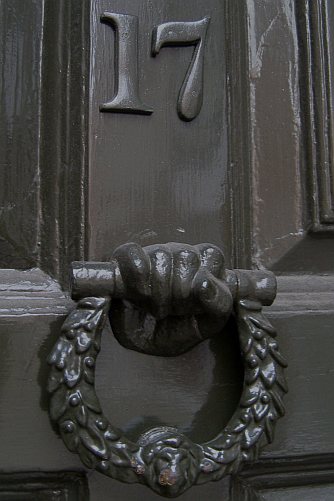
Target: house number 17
(126, 98)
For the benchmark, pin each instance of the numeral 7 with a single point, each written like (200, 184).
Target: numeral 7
(190, 99)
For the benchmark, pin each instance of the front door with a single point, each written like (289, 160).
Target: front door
(151, 122)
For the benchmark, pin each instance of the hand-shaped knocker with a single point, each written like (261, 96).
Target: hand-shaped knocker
(163, 300)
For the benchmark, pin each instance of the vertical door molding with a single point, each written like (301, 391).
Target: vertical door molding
(44, 54)
(317, 43)
(64, 137)
(238, 99)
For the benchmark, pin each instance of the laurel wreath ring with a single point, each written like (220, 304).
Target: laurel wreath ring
(163, 458)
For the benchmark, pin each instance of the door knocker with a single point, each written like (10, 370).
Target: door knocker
(163, 300)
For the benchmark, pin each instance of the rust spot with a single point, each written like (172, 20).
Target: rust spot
(168, 477)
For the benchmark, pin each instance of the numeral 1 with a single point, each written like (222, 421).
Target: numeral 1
(186, 33)
(126, 98)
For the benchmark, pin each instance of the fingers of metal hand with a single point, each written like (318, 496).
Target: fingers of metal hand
(164, 278)
(213, 294)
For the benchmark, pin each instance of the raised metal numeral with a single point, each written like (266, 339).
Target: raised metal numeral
(190, 98)
(126, 98)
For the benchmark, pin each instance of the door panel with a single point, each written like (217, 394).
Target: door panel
(19, 133)
(43, 487)
(310, 477)
(44, 59)
(158, 178)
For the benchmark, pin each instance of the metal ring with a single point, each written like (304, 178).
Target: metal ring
(163, 458)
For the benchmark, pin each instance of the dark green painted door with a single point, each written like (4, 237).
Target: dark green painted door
(243, 160)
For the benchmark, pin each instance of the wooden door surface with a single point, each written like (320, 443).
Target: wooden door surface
(160, 121)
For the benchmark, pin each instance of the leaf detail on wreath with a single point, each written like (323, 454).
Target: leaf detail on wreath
(59, 403)
(82, 416)
(250, 395)
(60, 352)
(72, 371)
(260, 410)
(89, 397)
(268, 373)
(269, 428)
(93, 441)
(251, 436)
